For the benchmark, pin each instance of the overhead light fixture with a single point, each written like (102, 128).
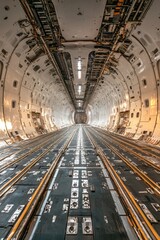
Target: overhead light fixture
(79, 74)
(79, 89)
(79, 65)
(79, 68)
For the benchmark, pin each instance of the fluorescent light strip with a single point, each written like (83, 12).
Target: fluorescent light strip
(79, 74)
(79, 68)
(79, 65)
(79, 88)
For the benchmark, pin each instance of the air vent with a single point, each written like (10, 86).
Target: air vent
(146, 103)
(36, 68)
(13, 103)
(15, 83)
(4, 52)
(7, 8)
(138, 64)
(144, 81)
(155, 51)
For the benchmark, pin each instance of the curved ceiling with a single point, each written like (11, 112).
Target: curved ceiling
(99, 57)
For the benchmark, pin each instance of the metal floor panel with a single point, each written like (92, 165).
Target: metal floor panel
(80, 197)
(80, 201)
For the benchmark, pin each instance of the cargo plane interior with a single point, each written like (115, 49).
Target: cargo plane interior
(79, 119)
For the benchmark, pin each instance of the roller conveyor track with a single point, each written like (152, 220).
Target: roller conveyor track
(32, 149)
(71, 193)
(144, 195)
(144, 168)
(18, 148)
(26, 187)
(142, 147)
